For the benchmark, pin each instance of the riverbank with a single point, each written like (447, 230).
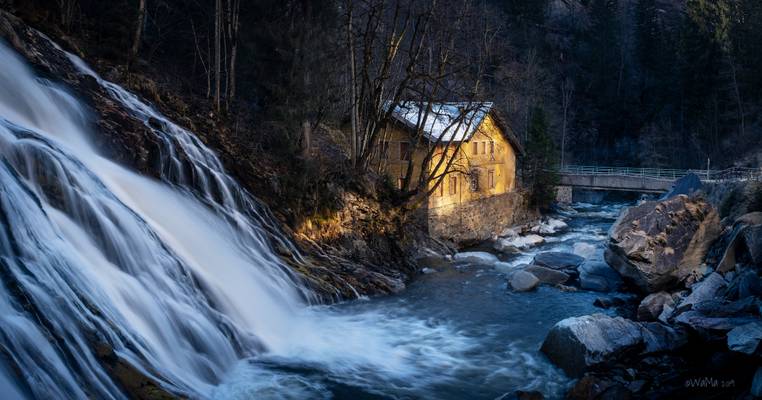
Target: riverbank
(354, 243)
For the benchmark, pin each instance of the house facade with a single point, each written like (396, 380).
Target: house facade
(474, 153)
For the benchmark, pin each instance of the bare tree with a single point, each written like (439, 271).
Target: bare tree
(138, 31)
(408, 58)
(217, 53)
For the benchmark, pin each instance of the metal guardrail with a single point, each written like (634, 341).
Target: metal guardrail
(730, 174)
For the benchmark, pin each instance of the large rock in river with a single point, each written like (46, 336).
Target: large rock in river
(523, 281)
(559, 261)
(547, 275)
(576, 344)
(599, 277)
(659, 243)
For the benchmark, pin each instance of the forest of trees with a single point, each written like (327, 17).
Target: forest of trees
(670, 83)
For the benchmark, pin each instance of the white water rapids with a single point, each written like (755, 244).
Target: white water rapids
(176, 275)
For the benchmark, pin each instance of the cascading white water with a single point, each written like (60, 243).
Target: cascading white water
(177, 276)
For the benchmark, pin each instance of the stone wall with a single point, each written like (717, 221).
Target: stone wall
(564, 194)
(479, 219)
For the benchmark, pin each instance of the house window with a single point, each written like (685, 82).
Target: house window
(384, 150)
(453, 185)
(475, 148)
(491, 179)
(484, 147)
(492, 147)
(404, 151)
(474, 183)
(440, 189)
(400, 182)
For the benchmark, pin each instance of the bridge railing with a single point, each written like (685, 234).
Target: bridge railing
(730, 174)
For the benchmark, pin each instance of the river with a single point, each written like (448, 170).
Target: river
(455, 333)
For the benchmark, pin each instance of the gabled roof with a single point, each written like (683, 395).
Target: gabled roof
(451, 121)
(445, 122)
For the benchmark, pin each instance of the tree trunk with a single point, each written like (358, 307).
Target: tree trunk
(217, 53)
(353, 87)
(138, 31)
(234, 28)
(306, 139)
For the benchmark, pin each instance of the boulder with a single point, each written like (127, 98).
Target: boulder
(523, 281)
(756, 383)
(599, 277)
(659, 243)
(744, 239)
(515, 243)
(547, 275)
(565, 262)
(745, 338)
(753, 239)
(687, 185)
(704, 290)
(658, 337)
(744, 284)
(653, 305)
(579, 343)
(476, 257)
(549, 226)
(714, 318)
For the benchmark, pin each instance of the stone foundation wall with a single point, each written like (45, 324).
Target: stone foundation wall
(564, 194)
(480, 219)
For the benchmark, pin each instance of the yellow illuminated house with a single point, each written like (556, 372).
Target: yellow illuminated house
(485, 150)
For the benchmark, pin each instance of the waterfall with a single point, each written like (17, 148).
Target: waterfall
(173, 275)
(176, 276)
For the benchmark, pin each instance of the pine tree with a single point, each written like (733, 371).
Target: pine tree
(540, 163)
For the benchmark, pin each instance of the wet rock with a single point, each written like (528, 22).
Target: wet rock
(156, 124)
(432, 260)
(136, 383)
(705, 290)
(658, 337)
(514, 243)
(744, 284)
(523, 281)
(477, 257)
(756, 384)
(744, 239)
(745, 338)
(705, 324)
(564, 262)
(549, 226)
(659, 243)
(599, 277)
(687, 185)
(608, 302)
(547, 275)
(753, 240)
(653, 305)
(565, 288)
(578, 343)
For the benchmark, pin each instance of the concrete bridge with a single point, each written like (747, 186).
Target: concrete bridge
(644, 180)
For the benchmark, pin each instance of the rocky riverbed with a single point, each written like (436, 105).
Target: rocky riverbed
(697, 326)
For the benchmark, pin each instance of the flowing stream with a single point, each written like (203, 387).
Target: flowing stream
(178, 277)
